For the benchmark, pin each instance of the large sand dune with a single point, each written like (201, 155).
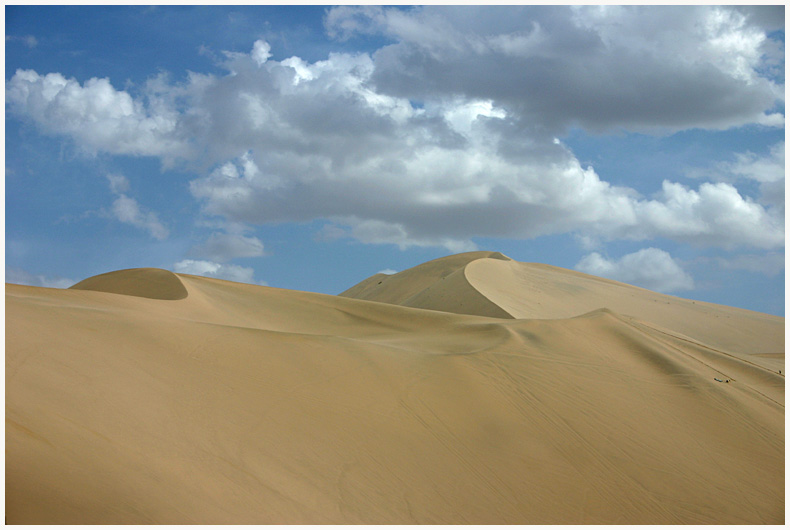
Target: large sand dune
(476, 390)
(491, 284)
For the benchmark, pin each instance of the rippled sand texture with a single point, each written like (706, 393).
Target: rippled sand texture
(471, 389)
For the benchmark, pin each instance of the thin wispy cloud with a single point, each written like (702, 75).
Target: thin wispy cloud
(28, 40)
(127, 210)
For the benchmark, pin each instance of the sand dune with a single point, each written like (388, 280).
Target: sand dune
(127, 402)
(497, 286)
(440, 284)
(147, 283)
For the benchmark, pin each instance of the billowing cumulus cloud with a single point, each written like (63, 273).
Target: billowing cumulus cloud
(714, 215)
(650, 268)
(452, 131)
(95, 114)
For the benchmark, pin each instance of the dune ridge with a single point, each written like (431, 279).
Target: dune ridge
(504, 288)
(256, 405)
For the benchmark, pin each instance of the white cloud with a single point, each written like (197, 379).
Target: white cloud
(767, 170)
(377, 232)
(96, 115)
(223, 247)
(714, 215)
(261, 52)
(450, 133)
(234, 273)
(21, 277)
(650, 268)
(388, 272)
(373, 231)
(127, 210)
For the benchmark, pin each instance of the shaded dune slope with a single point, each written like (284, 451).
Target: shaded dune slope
(249, 404)
(158, 284)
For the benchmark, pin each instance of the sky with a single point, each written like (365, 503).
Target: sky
(310, 147)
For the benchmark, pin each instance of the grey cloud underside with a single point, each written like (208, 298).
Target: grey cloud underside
(769, 17)
(545, 66)
(548, 92)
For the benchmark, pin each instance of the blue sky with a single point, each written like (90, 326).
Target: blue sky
(309, 147)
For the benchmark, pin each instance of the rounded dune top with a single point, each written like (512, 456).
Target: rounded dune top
(439, 284)
(158, 284)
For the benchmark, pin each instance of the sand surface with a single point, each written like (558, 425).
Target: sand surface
(476, 390)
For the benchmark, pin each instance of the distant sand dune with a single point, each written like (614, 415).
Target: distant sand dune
(497, 286)
(234, 403)
(147, 283)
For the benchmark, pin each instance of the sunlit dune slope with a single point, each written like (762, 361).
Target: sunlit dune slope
(505, 288)
(249, 404)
